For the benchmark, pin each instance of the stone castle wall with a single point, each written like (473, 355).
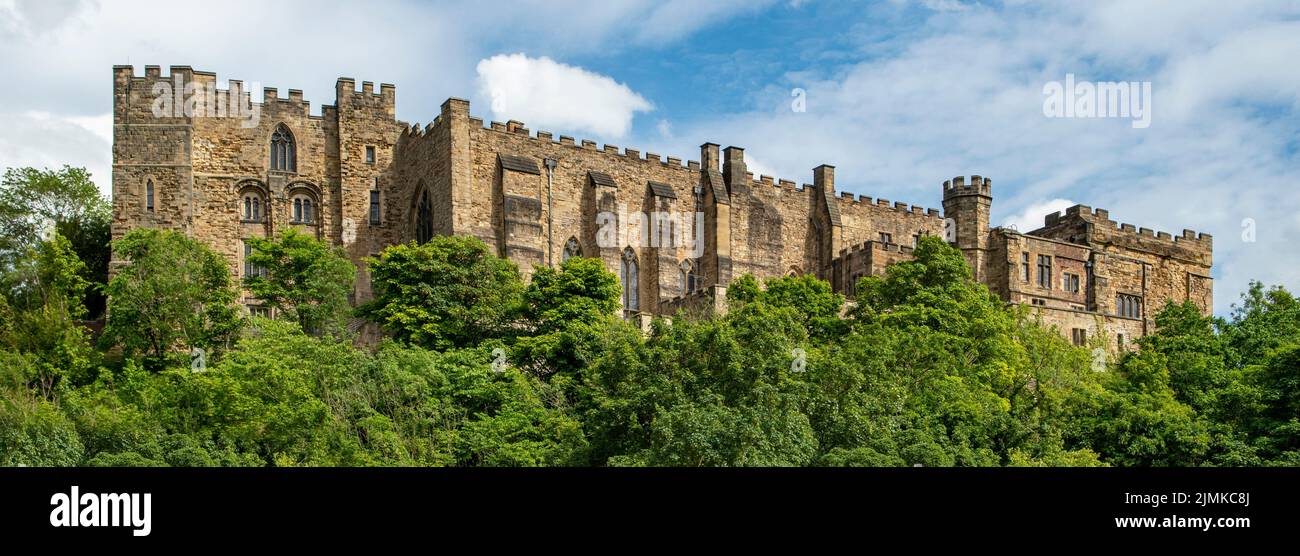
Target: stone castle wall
(529, 194)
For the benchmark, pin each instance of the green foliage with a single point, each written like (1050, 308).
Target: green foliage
(174, 294)
(446, 293)
(925, 367)
(43, 305)
(34, 202)
(304, 280)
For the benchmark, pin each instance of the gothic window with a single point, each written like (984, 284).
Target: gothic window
(628, 278)
(283, 157)
(571, 250)
(424, 218)
(690, 278)
(148, 195)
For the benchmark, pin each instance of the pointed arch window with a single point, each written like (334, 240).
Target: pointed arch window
(424, 217)
(571, 250)
(283, 156)
(690, 278)
(628, 277)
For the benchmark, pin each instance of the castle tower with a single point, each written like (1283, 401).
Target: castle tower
(966, 209)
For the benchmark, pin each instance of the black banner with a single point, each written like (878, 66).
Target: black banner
(930, 505)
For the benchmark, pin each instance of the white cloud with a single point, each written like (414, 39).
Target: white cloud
(1032, 217)
(41, 139)
(931, 104)
(546, 94)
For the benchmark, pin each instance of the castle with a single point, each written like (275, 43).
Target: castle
(356, 177)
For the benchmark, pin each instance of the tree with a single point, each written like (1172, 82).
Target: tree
(449, 292)
(33, 202)
(304, 280)
(43, 309)
(173, 295)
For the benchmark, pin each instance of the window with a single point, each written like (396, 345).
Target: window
(252, 207)
(916, 240)
(1070, 282)
(628, 277)
(1024, 267)
(148, 195)
(1038, 302)
(1119, 341)
(1079, 336)
(424, 217)
(259, 311)
(886, 237)
(370, 154)
(374, 207)
(282, 150)
(250, 269)
(1045, 271)
(690, 279)
(571, 250)
(303, 210)
(1128, 306)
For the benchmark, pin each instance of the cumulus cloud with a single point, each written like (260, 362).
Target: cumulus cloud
(1032, 217)
(546, 94)
(927, 104)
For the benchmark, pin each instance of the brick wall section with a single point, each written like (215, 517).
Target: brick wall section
(491, 182)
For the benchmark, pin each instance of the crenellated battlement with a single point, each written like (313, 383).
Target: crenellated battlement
(848, 200)
(1101, 218)
(958, 187)
(206, 82)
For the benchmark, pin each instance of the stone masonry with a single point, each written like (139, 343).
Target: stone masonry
(677, 233)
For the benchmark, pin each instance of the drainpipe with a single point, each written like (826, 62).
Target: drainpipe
(550, 218)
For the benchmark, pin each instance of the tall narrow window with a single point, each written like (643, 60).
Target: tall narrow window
(250, 269)
(306, 210)
(1045, 271)
(374, 207)
(424, 218)
(297, 210)
(370, 154)
(282, 150)
(690, 280)
(1024, 267)
(571, 249)
(257, 209)
(148, 195)
(628, 277)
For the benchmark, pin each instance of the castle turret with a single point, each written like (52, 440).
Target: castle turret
(966, 209)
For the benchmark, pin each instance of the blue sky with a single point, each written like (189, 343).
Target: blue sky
(900, 95)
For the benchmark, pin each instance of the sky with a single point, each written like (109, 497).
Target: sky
(898, 95)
